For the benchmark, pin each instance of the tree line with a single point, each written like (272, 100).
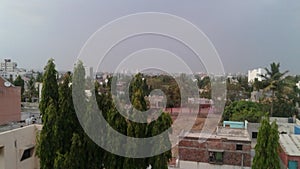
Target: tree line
(63, 143)
(279, 96)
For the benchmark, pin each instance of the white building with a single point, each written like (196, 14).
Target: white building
(18, 147)
(9, 70)
(298, 85)
(8, 65)
(11, 75)
(255, 74)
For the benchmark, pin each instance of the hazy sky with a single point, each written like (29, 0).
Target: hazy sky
(247, 34)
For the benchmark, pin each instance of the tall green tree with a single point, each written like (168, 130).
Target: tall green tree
(31, 91)
(50, 87)
(39, 77)
(20, 82)
(134, 129)
(143, 130)
(237, 89)
(47, 144)
(118, 123)
(84, 151)
(66, 121)
(115, 120)
(266, 149)
(157, 127)
(274, 82)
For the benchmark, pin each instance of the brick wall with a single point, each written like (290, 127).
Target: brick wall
(286, 158)
(10, 103)
(191, 150)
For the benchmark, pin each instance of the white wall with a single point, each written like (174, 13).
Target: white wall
(13, 143)
(255, 73)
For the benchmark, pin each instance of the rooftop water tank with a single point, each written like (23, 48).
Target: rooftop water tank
(297, 130)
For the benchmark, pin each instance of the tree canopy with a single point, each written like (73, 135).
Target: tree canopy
(63, 143)
(266, 149)
(244, 110)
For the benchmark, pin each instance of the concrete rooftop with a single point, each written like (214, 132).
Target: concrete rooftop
(290, 144)
(223, 133)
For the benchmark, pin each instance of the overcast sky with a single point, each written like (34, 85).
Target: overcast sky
(247, 34)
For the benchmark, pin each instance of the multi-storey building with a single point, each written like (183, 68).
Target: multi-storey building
(18, 147)
(10, 102)
(8, 66)
(227, 146)
(255, 74)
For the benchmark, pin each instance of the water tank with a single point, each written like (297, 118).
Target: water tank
(297, 130)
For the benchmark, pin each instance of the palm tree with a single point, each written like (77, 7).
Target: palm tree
(274, 82)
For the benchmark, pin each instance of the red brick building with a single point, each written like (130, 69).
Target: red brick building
(227, 146)
(289, 151)
(10, 102)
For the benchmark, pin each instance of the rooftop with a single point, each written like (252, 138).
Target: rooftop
(232, 134)
(196, 165)
(11, 126)
(290, 144)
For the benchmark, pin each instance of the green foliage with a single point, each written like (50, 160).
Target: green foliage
(169, 86)
(266, 149)
(138, 91)
(134, 129)
(244, 110)
(156, 127)
(142, 130)
(19, 82)
(32, 91)
(66, 121)
(238, 89)
(39, 77)
(63, 143)
(205, 87)
(275, 83)
(50, 87)
(118, 123)
(48, 144)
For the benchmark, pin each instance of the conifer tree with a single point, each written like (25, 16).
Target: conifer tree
(84, 151)
(157, 127)
(134, 129)
(47, 144)
(266, 149)
(66, 122)
(20, 82)
(50, 87)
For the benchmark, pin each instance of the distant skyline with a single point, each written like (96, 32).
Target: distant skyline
(247, 34)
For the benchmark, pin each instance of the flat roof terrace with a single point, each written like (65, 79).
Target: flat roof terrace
(231, 134)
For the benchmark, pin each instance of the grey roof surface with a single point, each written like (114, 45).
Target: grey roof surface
(290, 144)
(10, 126)
(228, 133)
(195, 165)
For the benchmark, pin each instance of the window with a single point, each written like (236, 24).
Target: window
(293, 164)
(215, 157)
(239, 147)
(254, 134)
(27, 153)
(2, 156)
